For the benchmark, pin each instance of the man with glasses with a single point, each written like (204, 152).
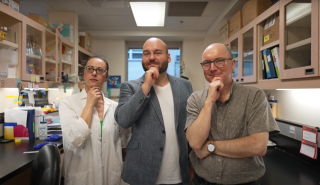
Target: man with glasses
(228, 125)
(155, 107)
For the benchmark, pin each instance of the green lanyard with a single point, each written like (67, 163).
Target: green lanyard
(101, 123)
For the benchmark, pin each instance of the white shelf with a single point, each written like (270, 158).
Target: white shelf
(66, 62)
(272, 44)
(298, 44)
(33, 56)
(298, 12)
(66, 41)
(50, 60)
(82, 50)
(246, 54)
(8, 44)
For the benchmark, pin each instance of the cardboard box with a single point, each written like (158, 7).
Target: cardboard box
(14, 4)
(224, 32)
(271, 29)
(38, 18)
(235, 23)
(252, 9)
(85, 40)
(66, 30)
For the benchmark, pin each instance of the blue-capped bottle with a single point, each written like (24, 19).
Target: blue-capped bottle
(274, 106)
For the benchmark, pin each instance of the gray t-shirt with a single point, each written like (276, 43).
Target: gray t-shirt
(246, 112)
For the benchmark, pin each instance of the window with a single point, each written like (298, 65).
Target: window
(135, 69)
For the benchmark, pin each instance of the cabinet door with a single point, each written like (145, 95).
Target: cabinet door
(33, 47)
(234, 47)
(58, 56)
(50, 57)
(68, 63)
(10, 43)
(299, 38)
(247, 57)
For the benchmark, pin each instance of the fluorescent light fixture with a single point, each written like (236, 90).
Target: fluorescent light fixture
(148, 13)
(309, 89)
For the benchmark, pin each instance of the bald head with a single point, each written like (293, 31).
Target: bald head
(156, 41)
(217, 48)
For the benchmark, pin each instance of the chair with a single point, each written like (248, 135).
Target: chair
(46, 167)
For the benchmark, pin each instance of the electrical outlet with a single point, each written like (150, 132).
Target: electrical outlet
(292, 132)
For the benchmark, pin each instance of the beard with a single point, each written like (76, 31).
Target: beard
(162, 68)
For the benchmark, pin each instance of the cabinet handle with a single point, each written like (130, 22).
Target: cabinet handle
(309, 71)
(241, 79)
(237, 80)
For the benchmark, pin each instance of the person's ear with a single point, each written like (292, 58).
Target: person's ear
(106, 78)
(169, 57)
(233, 65)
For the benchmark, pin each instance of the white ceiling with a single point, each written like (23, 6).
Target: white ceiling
(114, 19)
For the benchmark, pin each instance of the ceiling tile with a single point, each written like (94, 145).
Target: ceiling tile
(175, 22)
(113, 11)
(214, 8)
(104, 22)
(204, 23)
(70, 5)
(34, 6)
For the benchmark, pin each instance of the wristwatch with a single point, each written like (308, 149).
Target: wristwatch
(211, 147)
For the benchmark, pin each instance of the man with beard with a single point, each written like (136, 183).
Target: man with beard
(155, 107)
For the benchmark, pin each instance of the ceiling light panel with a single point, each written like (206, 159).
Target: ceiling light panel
(148, 13)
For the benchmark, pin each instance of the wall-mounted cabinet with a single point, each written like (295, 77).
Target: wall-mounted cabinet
(40, 53)
(234, 46)
(33, 46)
(297, 42)
(83, 56)
(52, 57)
(264, 43)
(299, 38)
(242, 45)
(12, 20)
(248, 62)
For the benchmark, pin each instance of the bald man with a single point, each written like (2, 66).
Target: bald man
(155, 107)
(228, 125)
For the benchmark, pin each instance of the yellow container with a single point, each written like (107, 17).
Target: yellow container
(8, 132)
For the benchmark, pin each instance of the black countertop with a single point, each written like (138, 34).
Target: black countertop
(283, 168)
(12, 159)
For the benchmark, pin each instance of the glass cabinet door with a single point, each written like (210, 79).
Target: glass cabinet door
(300, 39)
(50, 58)
(248, 61)
(58, 54)
(33, 49)
(235, 50)
(247, 67)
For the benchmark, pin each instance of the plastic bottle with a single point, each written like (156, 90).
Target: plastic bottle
(52, 74)
(43, 133)
(274, 106)
(49, 54)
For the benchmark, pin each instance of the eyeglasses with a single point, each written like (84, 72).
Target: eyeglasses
(99, 71)
(217, 62)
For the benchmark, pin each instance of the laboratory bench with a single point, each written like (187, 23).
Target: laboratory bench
(12, 159)
(284, 164)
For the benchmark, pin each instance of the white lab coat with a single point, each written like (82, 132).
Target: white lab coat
(87, 161)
